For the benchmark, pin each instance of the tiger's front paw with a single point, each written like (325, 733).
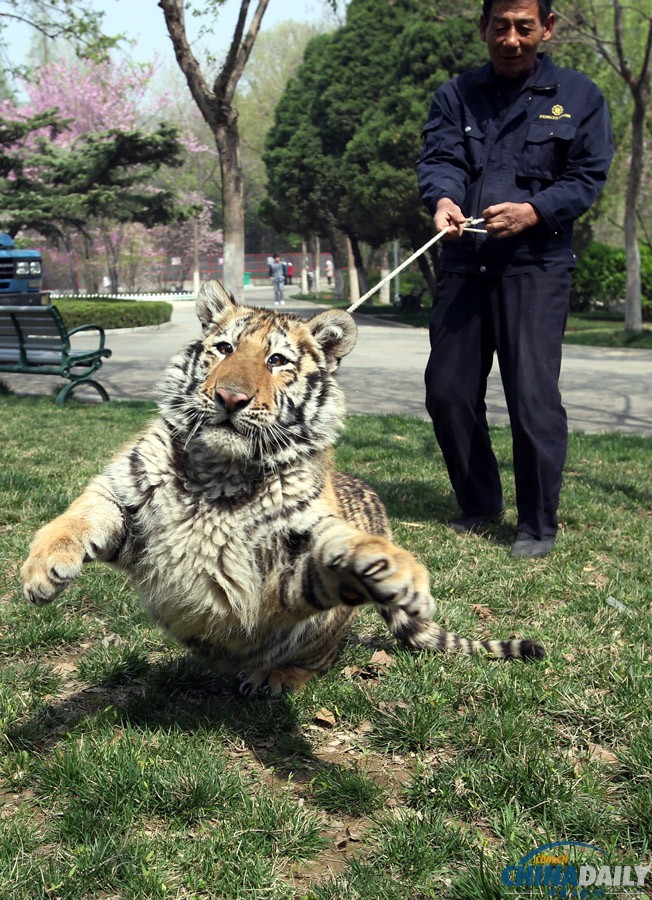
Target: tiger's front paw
(371, 569)
(51, 567)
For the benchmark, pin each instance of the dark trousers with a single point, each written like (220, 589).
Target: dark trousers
(522, 319)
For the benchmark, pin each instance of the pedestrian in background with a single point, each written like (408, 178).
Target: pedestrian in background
(525, 146)
(277, 274)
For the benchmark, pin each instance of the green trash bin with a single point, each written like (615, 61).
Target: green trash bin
(247, 278)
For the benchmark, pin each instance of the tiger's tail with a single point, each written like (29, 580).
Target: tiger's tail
(430, 636)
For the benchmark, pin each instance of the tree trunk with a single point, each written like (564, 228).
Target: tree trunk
(112, 258)
(354, 288)
(72, 262)
(337, 244)
(317, 255)
(384, 272)
(428, 271)
(227, 140)
(195, 258)
(304, 268)
(216, 106)
(633, 305)
(359, 264)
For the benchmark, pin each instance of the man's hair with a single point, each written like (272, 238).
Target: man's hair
(545, 8)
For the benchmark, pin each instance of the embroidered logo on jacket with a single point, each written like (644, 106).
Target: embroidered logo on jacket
(556, 113)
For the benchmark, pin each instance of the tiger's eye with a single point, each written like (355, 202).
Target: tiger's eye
(224, 348)
(277, 359)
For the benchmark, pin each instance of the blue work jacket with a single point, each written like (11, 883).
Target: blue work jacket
(551, 147)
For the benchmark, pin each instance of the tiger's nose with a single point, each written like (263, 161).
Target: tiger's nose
(231, 400)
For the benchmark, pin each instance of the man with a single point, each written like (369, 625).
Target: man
(525, 146)
(277, 274)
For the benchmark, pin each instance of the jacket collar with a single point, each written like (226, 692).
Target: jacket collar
(545, 77)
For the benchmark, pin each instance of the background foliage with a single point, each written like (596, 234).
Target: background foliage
(329, 138)
(600, 278)
(113, 313)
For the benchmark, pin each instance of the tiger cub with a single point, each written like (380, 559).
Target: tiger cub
(244, 543)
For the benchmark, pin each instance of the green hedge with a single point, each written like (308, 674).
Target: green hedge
(600, 278)
(113, 313)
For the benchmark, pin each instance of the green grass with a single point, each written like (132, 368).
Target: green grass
(129, 771)
(600, 330)
(587, 329)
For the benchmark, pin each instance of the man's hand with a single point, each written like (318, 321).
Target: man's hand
(507, 219)
(449, 215)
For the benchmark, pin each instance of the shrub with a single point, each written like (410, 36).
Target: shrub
(600, 278)
(113, 313)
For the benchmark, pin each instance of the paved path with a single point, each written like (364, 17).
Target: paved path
(603, 390)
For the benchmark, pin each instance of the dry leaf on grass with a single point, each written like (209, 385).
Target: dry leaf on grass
(390, 705)
(593, 752)
(64, 668)
(377, 665)
(460, 788)
(325, 718)
(482, 612)
(112, 640)
(364, 727)
(602, 754)
(351, 671)
(405, 813)
(380, 658)
(345, 837)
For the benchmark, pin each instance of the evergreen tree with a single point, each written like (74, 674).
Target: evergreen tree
(342, 151)
(49, 187)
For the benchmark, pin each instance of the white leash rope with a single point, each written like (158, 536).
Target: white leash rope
(470, 222)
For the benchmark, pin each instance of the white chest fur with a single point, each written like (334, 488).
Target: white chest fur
(203, 553)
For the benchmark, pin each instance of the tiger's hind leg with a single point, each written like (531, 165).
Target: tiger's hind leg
(312, 654)
(274, 681)
(430, 636)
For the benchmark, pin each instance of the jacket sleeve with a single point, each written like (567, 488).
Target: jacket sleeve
(442, 167)
(586, 169)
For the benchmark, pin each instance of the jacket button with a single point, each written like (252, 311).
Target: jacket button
(483, 268)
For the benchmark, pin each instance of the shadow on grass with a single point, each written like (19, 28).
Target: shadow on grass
(179, 694)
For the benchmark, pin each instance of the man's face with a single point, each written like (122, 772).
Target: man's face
(513, 33)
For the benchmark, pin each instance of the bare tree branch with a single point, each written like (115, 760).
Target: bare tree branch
(217, 108)
(202, 95)
(240, 49)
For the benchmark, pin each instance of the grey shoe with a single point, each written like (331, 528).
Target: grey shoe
(465, 524)
(530, 547)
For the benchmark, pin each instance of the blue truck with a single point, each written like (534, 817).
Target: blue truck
(21, 275)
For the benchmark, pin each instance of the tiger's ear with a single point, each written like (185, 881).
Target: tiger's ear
(213, 300)
(336, 333)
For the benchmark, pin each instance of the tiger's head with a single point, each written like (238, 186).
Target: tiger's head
(259, 386)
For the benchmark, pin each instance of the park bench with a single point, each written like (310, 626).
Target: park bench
(34, 340)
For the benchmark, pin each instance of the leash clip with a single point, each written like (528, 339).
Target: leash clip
(470, 222)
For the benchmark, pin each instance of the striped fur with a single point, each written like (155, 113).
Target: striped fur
(243, 542)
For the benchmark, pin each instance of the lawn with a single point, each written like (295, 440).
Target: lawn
(127, 771)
